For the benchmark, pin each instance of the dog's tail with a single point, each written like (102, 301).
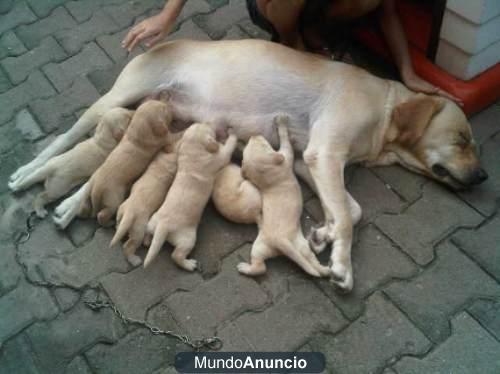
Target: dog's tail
(288, 249)
(159, 237)
(125, 223)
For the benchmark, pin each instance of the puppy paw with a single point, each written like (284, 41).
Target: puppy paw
(134, 260)
(342, 277)
(41, 212)
(281, 119)
(325, 271)
(188, 264)
(244, 268)
(20, 174)
(317, 240)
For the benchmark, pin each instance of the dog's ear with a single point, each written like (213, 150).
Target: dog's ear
(414, 116)
(211, 145)
(159, 128)
(278, 159)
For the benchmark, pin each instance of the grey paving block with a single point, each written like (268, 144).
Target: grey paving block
(10, 45)
(66, 298)
(235, 33)
(286, 325)
(42, 8)
(18, 68)
(427, 221)
(103, 79)
(63, 74)
(487, 312)
(6, 6)
(33, 33)
(483, 245)
(233, 339)
(26, 124)
(141, 288)
(485, 123)
(55, 343)
(217, 3)
(16, 357)
(53, 112)
(74, 40)
(83, 10)
(217, 238)
(36, 86)
(80, 231)
(124, 14)
(18, 15)
(5, 84)
(78, 366)
(486, 197)
(138, 352)
(215, 301)
(11, 161)
(10, 271)
(85, 265)
(406, 184)
(470, 349)
(189, 30)
(446, 286)
(375, 262)
(378, 336)
(218, 22)
(112, 44)
(23, 306)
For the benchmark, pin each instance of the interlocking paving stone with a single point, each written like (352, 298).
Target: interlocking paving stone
(217, 238)
(189, 30)
(16, 357)
(6, 6)
(5, 84)
(486, 197)
(27, 125)
(10, 45)
(85, 265)
(459, 353)
(78, 366)
(444, 287)
(103, 79)
(301, 313)
(43, 8)
(66, 298)
(417, 230)
(221, 298)
(56, 342)
(485, 123)
(138, 352)
(406, 184)
(73, 40)
(10, 271)
(375, 262)
(483, 245)
(487, 312)
(18, 68)
(57, 110)
(89, 59)
(218, 22)
(18, 15)
(141, 288)
(233, 339)
(123, 14)
(82, 11)
(235, 33)
(33, 33)
(80, 231)
(112, 45)
(365, 346)
(36, 86)
(23, 306)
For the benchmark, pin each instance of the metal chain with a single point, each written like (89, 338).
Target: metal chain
(24, 236)
(214, 343)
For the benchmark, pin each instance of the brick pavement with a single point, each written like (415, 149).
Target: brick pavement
(426, 260)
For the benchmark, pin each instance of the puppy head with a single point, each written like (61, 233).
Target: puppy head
(150, 124)
(436, 140)
(113, 125)
(203, 135)
(260, 161)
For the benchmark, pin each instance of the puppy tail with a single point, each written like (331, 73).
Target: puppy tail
(287, 248)
(159, 237)
(123, 227)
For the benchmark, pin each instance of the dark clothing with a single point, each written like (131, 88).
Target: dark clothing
(259, 20)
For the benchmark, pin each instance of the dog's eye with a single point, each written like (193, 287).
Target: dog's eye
(463, 139)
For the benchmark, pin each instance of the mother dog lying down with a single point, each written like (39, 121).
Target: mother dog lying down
(338, 114)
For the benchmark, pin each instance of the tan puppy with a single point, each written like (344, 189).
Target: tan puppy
(236, 198)
(279, 227)
(64, 172)
(146, 196)
(200, 157)
(146, 135)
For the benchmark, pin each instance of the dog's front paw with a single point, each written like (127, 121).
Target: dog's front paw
(64, 213)
(41, 212)
(188, 264)
(134, 260)
(16, 180)
(319, 237)
(342, 277)
(244, 268)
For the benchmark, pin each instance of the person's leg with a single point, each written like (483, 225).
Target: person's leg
(284, 15)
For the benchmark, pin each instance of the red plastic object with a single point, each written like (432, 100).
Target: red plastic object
(476, 93)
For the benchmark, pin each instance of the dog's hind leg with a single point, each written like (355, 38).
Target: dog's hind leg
(184, 242)
(260, 252)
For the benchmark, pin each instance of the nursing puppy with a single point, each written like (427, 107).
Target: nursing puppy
(62, 173)
(200, 157)
(279, 225)
(146, 196)
(146, 135)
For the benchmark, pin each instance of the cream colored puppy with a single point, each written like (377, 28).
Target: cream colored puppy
(64, 172)
(280, 232)
(146, 135)
(146, 196)
(200, 157)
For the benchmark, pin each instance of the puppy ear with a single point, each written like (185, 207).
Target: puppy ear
(278, 159)
(211, 145)
(159, 128)
(414, 116)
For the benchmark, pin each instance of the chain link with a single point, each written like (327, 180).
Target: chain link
(213, 344)
(24, 236)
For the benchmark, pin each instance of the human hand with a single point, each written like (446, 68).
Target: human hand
(151, 30)
(415, 83)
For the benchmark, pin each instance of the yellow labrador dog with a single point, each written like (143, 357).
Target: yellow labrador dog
(146, 196)
(64, 172)
(199, 159)
(339, 114)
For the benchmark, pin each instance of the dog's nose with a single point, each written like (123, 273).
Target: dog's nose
(480, 175)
